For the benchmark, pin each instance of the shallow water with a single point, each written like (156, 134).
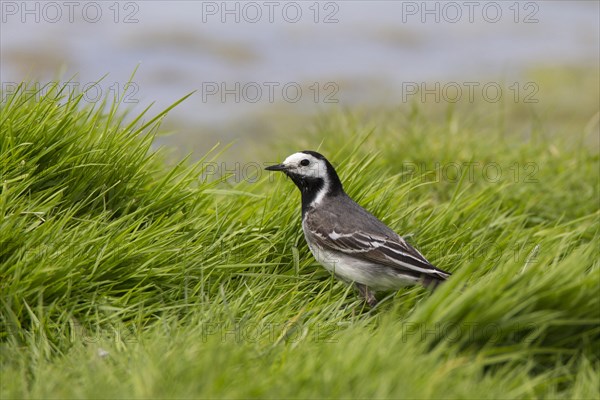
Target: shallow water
(251, 59)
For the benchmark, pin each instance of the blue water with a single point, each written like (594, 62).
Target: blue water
(357, 52)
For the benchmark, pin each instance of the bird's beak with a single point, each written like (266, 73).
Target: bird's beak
(277, 167)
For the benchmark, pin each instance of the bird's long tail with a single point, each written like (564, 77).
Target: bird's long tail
(431, 281)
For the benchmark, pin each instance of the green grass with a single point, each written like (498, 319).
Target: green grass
(122, 276)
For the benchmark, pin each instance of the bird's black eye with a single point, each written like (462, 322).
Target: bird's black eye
(304, 162)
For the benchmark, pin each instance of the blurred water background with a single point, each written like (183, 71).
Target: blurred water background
(258, 66)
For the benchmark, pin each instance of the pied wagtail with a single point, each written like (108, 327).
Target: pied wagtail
(348, 240)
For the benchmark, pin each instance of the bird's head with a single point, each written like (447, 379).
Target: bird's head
(312, 173)
(307, 164)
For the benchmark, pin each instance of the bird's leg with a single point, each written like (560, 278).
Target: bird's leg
(366, 294)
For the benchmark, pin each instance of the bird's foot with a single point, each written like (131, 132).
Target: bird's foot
(366, 294)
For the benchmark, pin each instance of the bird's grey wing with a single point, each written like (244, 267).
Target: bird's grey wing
(368, 240)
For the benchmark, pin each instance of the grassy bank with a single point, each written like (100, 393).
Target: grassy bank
(122, 276)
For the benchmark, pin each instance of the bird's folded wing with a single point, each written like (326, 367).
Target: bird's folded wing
(393, 252)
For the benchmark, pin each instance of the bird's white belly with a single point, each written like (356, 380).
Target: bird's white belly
(351, 269)
(343, 266)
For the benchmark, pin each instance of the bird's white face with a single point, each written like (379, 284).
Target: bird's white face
(312, 174)
(306, 165)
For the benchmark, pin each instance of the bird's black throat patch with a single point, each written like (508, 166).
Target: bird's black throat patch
(309, 188)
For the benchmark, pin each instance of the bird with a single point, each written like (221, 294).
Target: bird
(349, 241)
